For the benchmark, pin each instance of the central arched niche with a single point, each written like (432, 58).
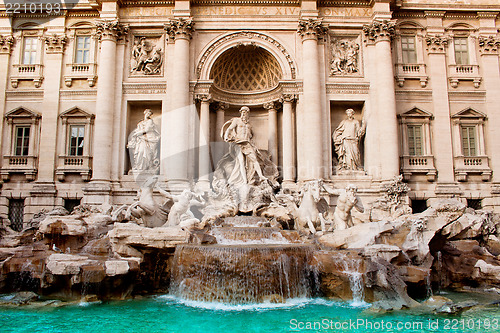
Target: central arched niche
(246, 69)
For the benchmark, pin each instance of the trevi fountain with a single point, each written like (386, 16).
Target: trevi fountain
(248, 255)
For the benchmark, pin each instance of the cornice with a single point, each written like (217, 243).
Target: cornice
(72, 93)
(246, 2)
(347, 88)
(146, 3)
(345, 3)
(35, 94)
(145, 88)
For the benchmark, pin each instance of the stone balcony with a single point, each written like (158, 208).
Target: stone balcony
(74, 164)
(27, 72)
(411, 72)
(457, 73)
(465, 165)
(80, 72)
(19, 164)
(418, 165)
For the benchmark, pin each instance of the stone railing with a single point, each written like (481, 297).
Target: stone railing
(27, 72)
(411, 71)
(464, 72)
(74, 164)
(80, 72)
(465, 165)
(418, 165)
(19, 164)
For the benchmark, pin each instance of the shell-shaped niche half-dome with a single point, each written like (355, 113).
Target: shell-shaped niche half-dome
(246, 68)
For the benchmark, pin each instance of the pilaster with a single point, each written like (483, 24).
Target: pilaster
(6, 43)
(489, 47)
(380, 33)
(180, 30)
(55, 46)
(310, 160)
(442, 140)
(108, 32)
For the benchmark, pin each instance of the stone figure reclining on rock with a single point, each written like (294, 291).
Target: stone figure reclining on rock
(347, 200)
(180, 213)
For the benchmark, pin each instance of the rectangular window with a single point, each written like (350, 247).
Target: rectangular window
(16, 214)
(409, 50)
(69, 204)
(469, 140)
(461, 51)
(30, 50)
(22, 141)
(415, 140)
(76, 136)
(82, 49)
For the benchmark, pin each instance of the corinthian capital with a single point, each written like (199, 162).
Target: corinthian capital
(288, 98)
(180, 28)
(488, 45)
(6, 43)
(436, 44)
(379, 30)
(110, 29)
(311, 29)
(56, 43)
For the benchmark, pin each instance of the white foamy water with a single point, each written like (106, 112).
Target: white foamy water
(276, 238)
(290, 303)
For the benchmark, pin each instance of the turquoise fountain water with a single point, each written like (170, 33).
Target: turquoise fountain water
(170, 314)
(253, 281)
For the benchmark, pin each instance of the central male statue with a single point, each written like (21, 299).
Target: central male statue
(244, 172)
(239, 132)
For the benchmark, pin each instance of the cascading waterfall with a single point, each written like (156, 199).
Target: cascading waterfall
(241, 274)
(250, 264)
(350, 266)
(357, 287)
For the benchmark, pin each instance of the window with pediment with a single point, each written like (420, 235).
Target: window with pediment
(81, 61)
(416, 150)
(462, 58)
(22, 129)
(28, 55)
(409, 54)
(469, 144)
(75, 153)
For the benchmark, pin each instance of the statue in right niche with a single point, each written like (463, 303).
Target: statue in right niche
(346, 138)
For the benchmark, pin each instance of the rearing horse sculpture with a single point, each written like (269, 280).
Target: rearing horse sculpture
(309, 213)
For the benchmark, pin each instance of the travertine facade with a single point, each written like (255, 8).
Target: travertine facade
(423, 76)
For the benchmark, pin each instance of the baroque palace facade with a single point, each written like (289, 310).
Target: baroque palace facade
(422, 76)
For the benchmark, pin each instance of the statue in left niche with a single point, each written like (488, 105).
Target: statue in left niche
(146, 59)
(143, 143)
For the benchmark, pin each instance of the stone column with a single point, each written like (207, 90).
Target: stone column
(6, 42)
(180, 30)
(311, 159)
(381, 32)
(443, 152)
(489, 47)
(204, 141)
(55, 45)
(108, 32)
(219, 122)
(288, 142)
(272, 129)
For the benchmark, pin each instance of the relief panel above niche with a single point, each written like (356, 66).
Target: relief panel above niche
(345, 56)
(147, 56)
